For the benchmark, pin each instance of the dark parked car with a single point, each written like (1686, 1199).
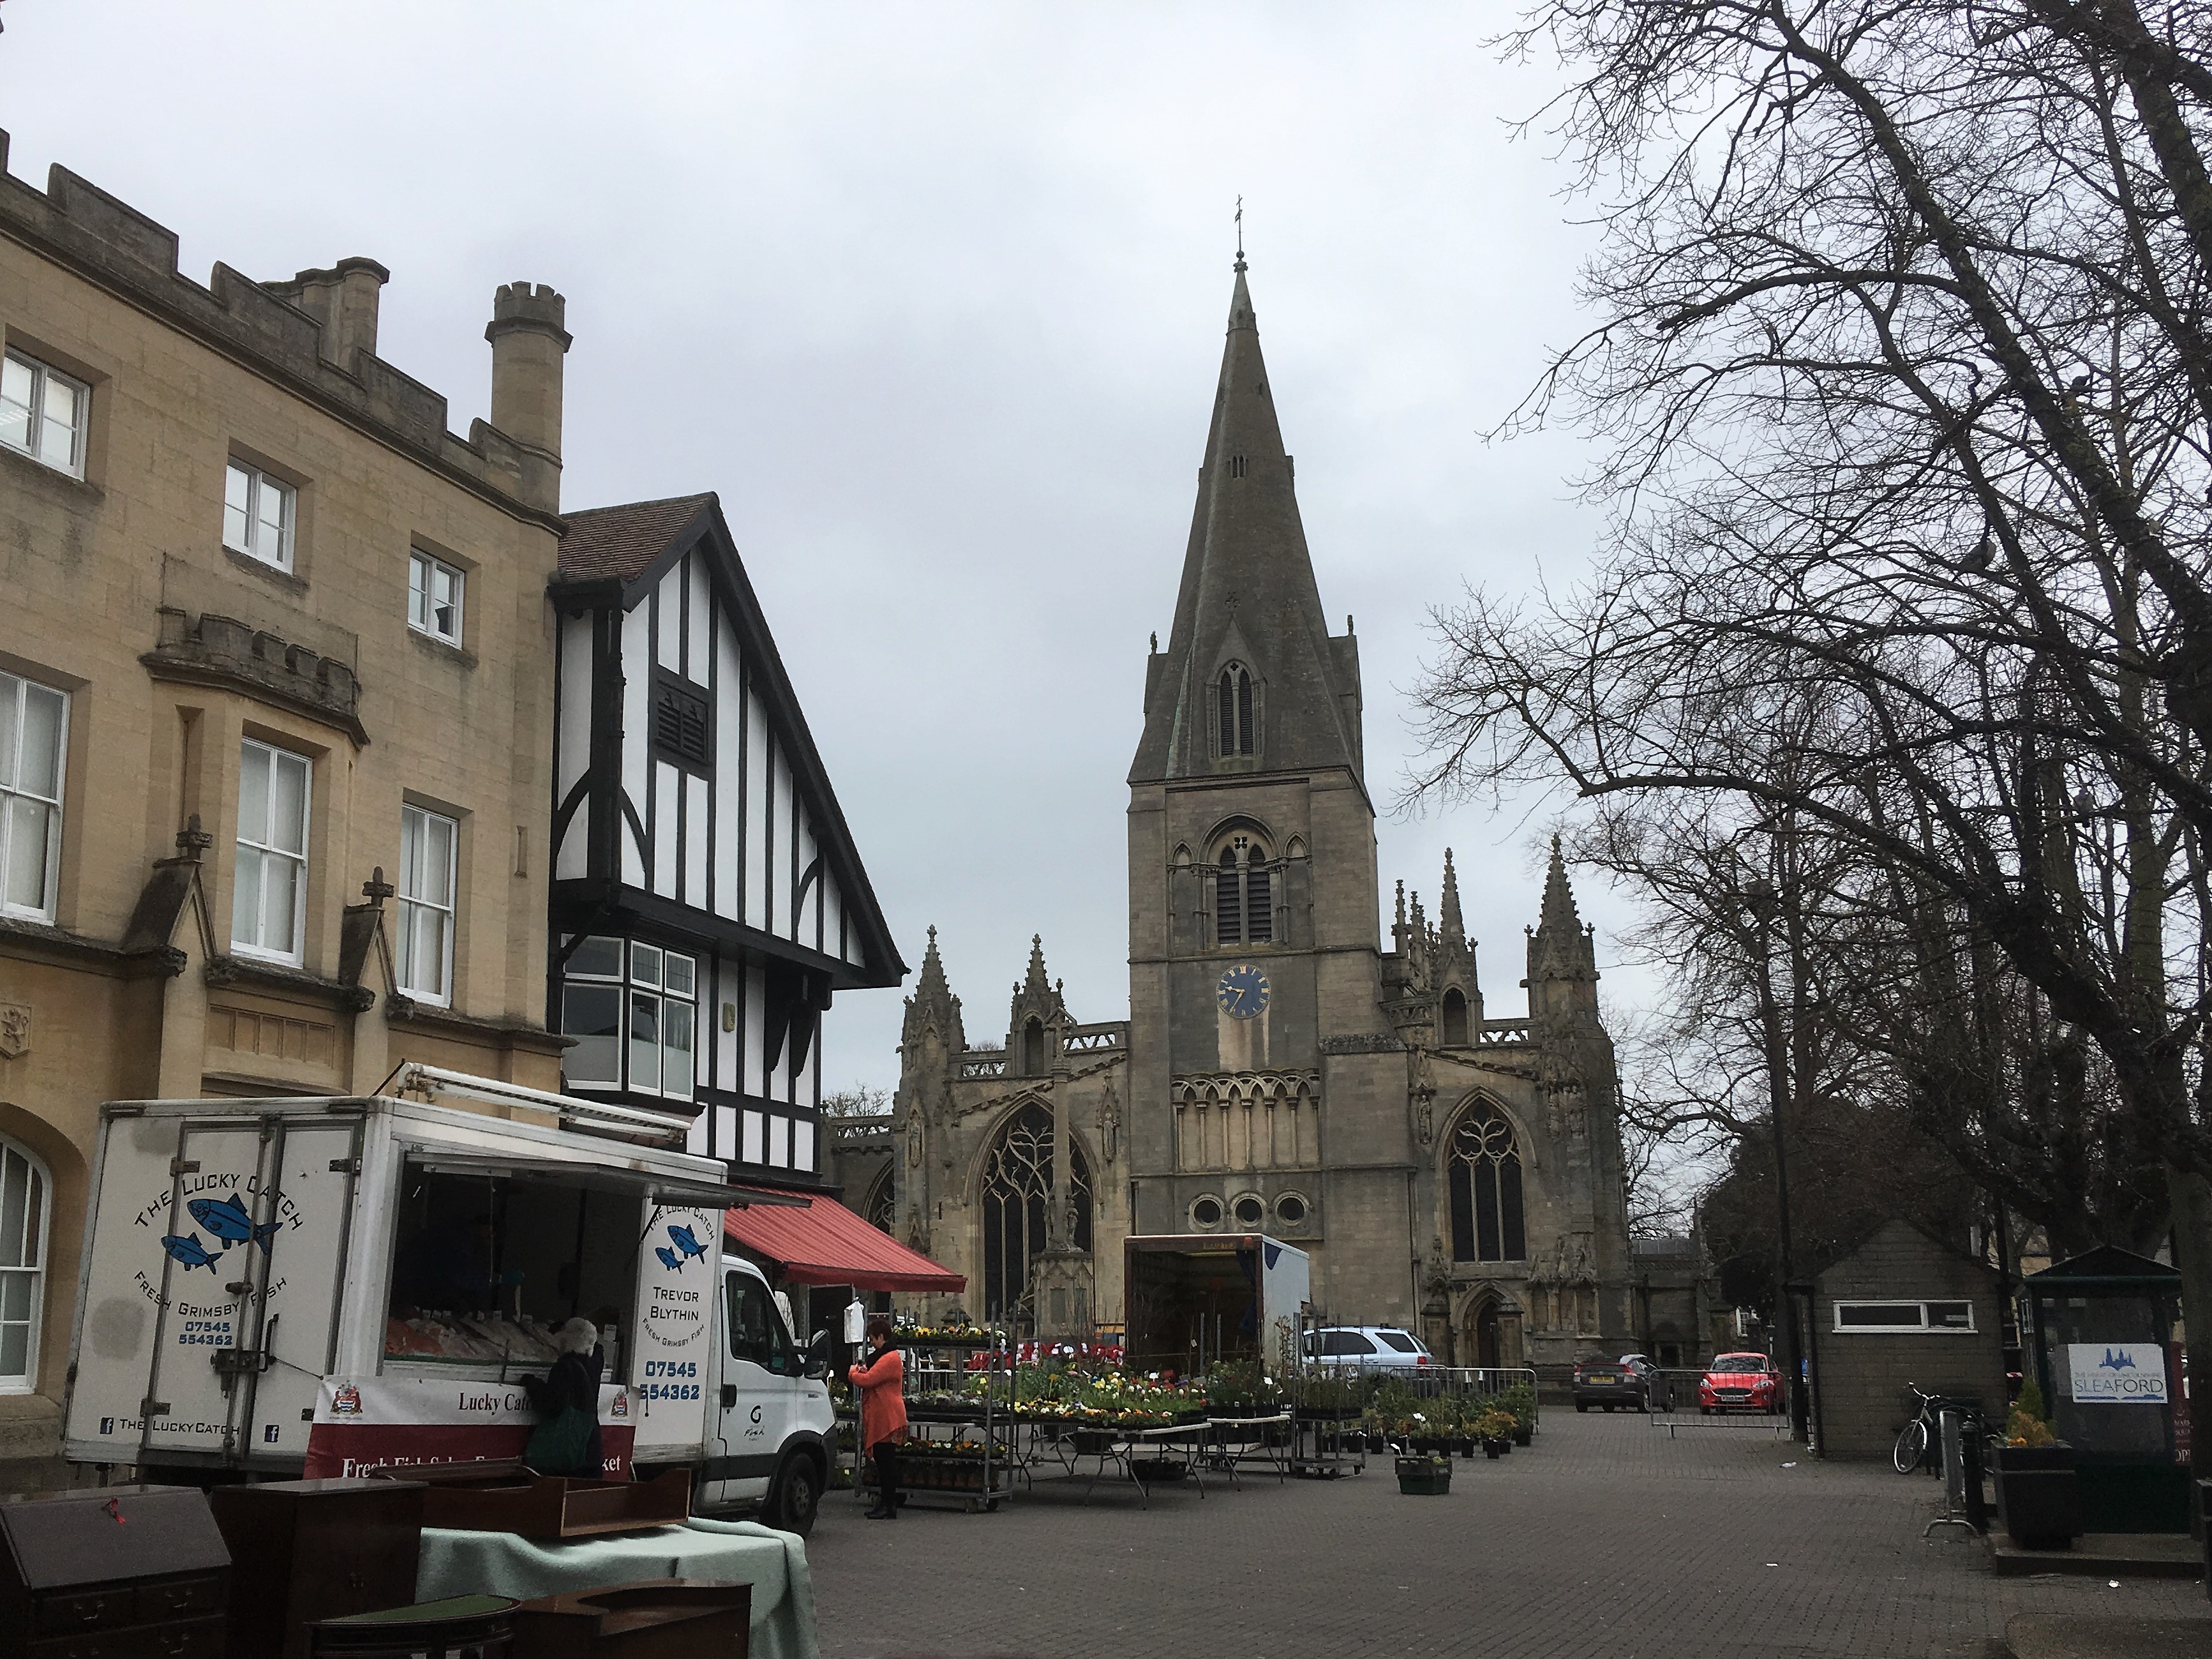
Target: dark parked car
(1611, 1383)
(1658, 1392)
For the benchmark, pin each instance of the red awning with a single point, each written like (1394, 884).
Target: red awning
(825, 1244)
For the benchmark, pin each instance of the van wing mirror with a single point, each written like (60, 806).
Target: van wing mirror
(818, 1356)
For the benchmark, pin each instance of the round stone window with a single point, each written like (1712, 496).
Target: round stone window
(1205, 1214)
(1250, 1212)
(1291, 1210)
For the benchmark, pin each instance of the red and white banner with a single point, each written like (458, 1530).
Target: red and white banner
(361, 1422)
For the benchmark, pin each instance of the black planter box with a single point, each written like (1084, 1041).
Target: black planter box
(1425, 1477)
(2038, 1496)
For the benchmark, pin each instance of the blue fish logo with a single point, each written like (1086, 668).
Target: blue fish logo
(226, 1217)
(2117, 1359)
(687, 1247)
(190, 1252)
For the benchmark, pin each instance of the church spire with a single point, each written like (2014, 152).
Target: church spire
(1036, 983)
(1249, 597)
(1562, 957)
(933, 1005)
(1036, 998)
(931, 981)
(1448, 915)
(1558, 913)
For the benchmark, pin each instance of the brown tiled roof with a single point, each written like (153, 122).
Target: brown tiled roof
(621, 541)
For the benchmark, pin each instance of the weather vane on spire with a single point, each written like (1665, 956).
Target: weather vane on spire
(1240, 233)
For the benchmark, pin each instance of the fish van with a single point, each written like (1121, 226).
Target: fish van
(317, 1286)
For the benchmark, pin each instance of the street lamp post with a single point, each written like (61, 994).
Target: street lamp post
(1759, 892)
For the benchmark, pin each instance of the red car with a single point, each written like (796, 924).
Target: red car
(1739, 1383)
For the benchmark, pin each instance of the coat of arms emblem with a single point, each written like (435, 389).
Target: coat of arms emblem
(15, 1030)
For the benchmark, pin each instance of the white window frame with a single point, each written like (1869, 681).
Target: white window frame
(1919, 1325)
(36, 415)
(423, 571)
(17, 803)
(252, 752)
(31, 1242)
(420, 910)
(571, 974)
(250, 539)
(642, 982)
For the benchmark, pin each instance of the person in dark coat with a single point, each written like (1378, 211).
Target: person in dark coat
(566, 1441)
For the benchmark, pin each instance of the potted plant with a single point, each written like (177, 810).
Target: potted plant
(1520, 1402)
(1494, 1428)
(1423, 1475)
(2036, 1493)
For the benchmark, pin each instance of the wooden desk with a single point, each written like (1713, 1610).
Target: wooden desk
(112, 1573)
(309, 1549)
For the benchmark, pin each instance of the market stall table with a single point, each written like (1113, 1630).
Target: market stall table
(1264, 1440)
(1129, 1451)
(456, 1563)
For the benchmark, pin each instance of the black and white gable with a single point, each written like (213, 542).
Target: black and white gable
(707, 897)
(685, 770)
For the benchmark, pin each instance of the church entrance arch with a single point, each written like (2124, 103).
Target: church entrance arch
(1015, 1195)
(1490, 1329)
(1488, 1345)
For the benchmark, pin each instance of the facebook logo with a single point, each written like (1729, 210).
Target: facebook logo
(269, 1433)
(107, 1425)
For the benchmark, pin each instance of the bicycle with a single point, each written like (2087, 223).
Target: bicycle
(1923, 1434)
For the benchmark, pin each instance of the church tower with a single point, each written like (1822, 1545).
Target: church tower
(1268, 1092)
(1285, 1069)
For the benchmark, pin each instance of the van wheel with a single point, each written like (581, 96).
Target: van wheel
(796, 1496)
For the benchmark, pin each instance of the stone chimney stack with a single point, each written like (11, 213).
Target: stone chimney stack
(344, 299)
(527, 345)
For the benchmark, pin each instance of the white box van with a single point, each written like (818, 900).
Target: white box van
(315, 1287)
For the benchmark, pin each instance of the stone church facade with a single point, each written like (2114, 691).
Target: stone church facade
(1281, 1070)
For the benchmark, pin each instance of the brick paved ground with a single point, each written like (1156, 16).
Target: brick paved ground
(1604, 1540)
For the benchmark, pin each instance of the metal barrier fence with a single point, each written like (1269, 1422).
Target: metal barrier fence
(1365, 1383)
(1672, 1401)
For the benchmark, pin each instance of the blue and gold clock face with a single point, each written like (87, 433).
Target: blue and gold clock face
(1244, 992)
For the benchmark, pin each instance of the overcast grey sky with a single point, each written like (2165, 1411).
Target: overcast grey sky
(933, 295)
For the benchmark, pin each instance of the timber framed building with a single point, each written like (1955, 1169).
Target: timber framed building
(708, 899)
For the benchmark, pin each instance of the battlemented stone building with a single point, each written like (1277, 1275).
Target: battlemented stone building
(1280, 1071)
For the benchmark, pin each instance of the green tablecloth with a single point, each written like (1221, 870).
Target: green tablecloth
(456, 1563)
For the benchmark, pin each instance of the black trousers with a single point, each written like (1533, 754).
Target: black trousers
(887, 1492)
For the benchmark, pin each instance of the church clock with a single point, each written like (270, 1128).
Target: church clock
(1244, 992)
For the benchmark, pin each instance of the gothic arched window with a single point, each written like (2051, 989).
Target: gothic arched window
(1238, 730)
(1243, 894)
(882, 1207)
(1033, 1048)
(1454, 1031)
(1486, 1189)
(1017, 1193)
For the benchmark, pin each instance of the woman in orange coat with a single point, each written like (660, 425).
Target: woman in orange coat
(881, 1379)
